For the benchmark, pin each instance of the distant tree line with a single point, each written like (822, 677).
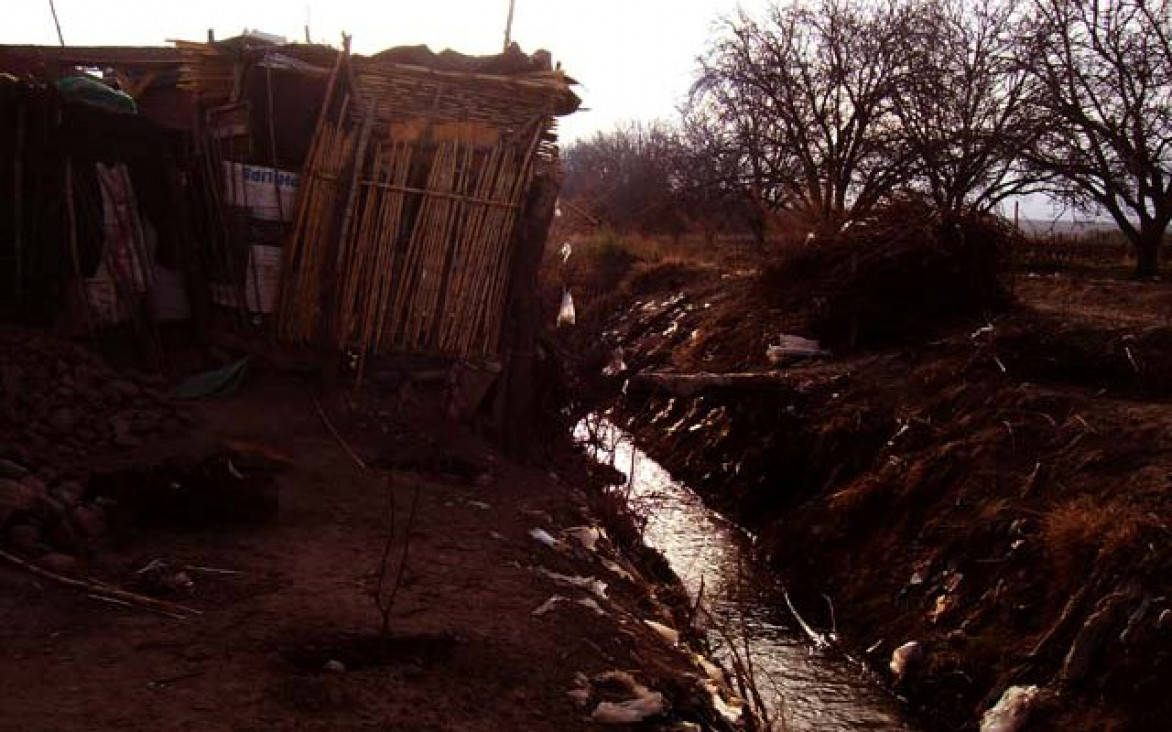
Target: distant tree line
(823, 110)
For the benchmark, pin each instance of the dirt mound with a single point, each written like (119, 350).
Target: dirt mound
(65, 413)
(60, 403)
(898, 275)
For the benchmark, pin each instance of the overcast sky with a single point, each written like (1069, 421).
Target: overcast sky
(634, 58)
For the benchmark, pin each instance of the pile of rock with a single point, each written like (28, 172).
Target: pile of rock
(58, 400)
(62, 410)
(52, 523)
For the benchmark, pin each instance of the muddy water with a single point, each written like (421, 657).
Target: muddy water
(808, 689)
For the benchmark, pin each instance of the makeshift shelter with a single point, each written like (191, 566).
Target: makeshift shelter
(393, 204)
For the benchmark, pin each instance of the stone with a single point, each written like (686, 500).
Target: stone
(59, 563)
(11, 379)
(64, 536)
(126, 440)
(69, 492)
(25, 537)
(12, 470)
(63, 420)
(123, 388)
(89, 521)
(14, 496)
(47, 509)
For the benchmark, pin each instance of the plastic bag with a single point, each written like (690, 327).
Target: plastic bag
(566, 314)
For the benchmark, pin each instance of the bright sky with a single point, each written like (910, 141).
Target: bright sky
(634, 58)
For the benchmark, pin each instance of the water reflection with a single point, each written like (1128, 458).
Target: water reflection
(811, 691)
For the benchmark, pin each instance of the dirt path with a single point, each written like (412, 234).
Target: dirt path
(466, 654)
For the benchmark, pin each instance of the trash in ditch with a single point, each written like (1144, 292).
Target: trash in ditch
(587, 536)
(581, 691)
(556, 601)
(671, 635)
(904, 659)
(160, 576)
(616, 365)
(591, 604)
(645, 704)
(480, 504)
(614, 568)
(541, 536)
(566, 315)
(595, 586)
(1012, 711)
(793, 346)
(548, 605)
(566, 251)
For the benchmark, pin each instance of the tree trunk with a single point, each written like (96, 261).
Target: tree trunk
(1147, 252)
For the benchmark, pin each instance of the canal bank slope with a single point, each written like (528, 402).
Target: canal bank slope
(996, 490)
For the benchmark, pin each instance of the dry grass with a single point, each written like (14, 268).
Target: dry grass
(1089, 529)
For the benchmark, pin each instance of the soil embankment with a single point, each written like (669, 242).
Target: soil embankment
(996, 488)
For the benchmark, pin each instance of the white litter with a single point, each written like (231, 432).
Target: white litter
(581, 691)
(796, 346)
(541, 536)
(628, 712)
(567, 250)
(671, 635)
(904, 658)
(479, 504)
(566, 314)
(548, 605)
(595, 586)
(646, 703)
(592, 604)
(1012, 711)
(556, 601)
(616, 365)
(614, 568)
(587, 536)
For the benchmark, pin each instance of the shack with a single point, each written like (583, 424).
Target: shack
(357, 208)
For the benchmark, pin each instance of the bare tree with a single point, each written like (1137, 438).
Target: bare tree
(806, 93)
(1103, 75)
(707, 175)
(960, 102)
(625, 177)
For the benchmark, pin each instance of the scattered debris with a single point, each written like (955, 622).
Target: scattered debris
(670, 635)
(1013, 710)
(566, 315)
(905, 660)
(595, 586)
(792, 346)
(645, 704)
(548, 606)
(587, 536)
(543, 537)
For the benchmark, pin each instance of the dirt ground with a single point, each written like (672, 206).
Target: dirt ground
(464, 653)
(997, 491)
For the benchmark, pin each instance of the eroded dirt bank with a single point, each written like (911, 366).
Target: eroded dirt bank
(998, 492)
(280, 628)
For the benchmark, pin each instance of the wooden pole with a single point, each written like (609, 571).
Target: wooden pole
(508, 26)
(56, 22)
